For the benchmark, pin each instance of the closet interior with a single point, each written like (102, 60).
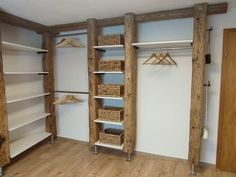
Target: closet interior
(103, 118)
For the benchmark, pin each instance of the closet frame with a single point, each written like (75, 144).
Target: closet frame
(198, 12)
(48, 84)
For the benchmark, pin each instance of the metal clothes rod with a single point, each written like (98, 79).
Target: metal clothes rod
(163, 49)
(72, 34)
(57, 91)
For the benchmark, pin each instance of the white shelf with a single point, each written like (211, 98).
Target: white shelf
(13, 46)
(99, 120)
(23, 73)
(98, 143)
(109, 47)
(12, 99)
(109, 97)
(164, 44)
(19, 122)
(21, 145)
(108, 72)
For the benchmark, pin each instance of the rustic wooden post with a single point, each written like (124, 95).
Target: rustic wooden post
(197, 96)
(94, 80)
(130, 85)
(4, 136)
(48, 66)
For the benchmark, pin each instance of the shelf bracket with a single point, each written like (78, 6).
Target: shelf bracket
(43, 52)
(101, 50)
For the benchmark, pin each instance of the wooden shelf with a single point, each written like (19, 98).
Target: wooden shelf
(108, 72)
(109, 97)
(98, 143)
(21, 145)
(12, 99)
(15, 123)
(99, 120)
(109, 47)
(13, 46)
(24, 73)
(164, 44)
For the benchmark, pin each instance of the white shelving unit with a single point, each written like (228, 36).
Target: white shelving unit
(18, 122)
(99, 120)
(12, 99)
(109, 47)
(98, 143)
(13, 46)
(108, 72)
(24, 73)
(21, 145)
(108, 97)
(164, 44)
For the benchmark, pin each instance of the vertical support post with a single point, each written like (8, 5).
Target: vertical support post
(94, 80)
(197, 95)
(4, 136)
(48, 66)
(130, 85)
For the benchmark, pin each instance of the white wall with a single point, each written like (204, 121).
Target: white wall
(163, 92)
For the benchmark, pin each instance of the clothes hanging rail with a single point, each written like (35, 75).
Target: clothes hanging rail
(71, 34)
(163, 49)
(60, 91)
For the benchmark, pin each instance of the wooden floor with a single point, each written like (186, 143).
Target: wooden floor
(71, 159)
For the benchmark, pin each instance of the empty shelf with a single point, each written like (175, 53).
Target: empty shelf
(164, 44)
(108, 72)
(23, 73)
(12, 99)
(109, 47)
(13, 46)
(21, 145)
(109, 97)
(99, 120)
(18, 122)
(98, 143)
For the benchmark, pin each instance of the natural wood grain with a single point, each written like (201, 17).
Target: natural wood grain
(197, 91)
(151, 16)
(94, 81)
(21, 22)
(48, 66)
(226, 156)
(4, 148)
(71, 159)
(130, 84)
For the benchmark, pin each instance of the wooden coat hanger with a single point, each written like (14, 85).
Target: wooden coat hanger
(167, 58)
(67, 99)
(69, 42)
(151, 59)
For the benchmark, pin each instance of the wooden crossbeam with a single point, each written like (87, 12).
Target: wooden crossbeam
(152, 16)
(21, 22)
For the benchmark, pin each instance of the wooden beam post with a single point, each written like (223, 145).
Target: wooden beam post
(48, 66)
(94, 80)
(130, 84)
(4, 136)
(197, 95)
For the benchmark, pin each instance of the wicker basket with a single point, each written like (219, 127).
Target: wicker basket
(113, 90)
(111, 65)
(115, 39)
(114, 114)
(112, 136)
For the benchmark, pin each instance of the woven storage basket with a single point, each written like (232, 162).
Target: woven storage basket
(111, 65)
(112, 136)
(115, 39)
(111, 114)
(113, 90)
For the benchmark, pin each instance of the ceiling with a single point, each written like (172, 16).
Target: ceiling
(52, 12)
